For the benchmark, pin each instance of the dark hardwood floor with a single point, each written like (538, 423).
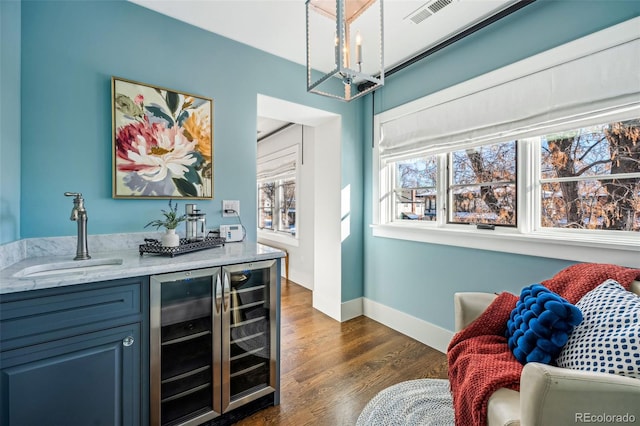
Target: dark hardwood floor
(330, 370)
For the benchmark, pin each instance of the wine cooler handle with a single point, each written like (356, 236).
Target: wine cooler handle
(218, 293)
(128, 341)
(227, 291)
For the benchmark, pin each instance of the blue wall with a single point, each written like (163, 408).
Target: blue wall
(420, 279)
(71, 49)
(10, 23)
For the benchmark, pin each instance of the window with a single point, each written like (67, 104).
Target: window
(266, 201)
(482, 185)
(277, 197)
(415, 189)
(278, 188)
(544, 163)
(590, 178)
(287, 206)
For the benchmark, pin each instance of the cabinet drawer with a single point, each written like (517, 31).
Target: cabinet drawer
(31, 317)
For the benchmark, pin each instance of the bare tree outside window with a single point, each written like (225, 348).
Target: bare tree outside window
(266, 202)
(288, 207)
(590, 178)
(483, 185)
(415, 189)
(277, 206)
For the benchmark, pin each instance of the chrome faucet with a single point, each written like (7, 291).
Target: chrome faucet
(79, 214)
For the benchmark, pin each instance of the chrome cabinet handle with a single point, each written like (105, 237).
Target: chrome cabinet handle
(128, 341)
(227, 291)
(218, 293)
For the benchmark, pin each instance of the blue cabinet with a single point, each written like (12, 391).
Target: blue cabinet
(81, 354)
(89, 379)
(74, 355)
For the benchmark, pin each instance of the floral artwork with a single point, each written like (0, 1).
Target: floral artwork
(162, 142)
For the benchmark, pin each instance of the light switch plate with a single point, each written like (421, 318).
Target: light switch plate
(230, 208)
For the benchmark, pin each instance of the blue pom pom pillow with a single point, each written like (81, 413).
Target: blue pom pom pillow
(540, 324)
(608, 340)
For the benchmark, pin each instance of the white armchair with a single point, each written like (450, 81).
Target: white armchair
(551, 395)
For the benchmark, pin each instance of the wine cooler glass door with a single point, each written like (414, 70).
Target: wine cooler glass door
(185, 347)
(248, 325)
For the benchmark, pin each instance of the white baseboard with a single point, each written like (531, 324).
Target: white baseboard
(416, 328)
(300, 277)
(351, 309)
(326, 306)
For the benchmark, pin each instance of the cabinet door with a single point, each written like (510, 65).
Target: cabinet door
(249, 333)
(90, 379)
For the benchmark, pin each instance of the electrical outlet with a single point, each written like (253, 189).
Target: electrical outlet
(230, 208)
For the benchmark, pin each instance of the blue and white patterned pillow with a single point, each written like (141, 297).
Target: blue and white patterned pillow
(608, 339)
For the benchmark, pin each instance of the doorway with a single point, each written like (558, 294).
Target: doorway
(315, 252)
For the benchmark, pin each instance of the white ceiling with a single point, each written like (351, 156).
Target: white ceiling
(278, 26)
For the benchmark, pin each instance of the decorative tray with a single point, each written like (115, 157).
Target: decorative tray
(186, 246)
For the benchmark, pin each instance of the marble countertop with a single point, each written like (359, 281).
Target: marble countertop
(132, 265)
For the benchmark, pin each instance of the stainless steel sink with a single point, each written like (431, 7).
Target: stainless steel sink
(70, 267)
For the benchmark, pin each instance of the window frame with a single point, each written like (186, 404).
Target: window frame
(396, 188)
(529, 237)
(262, 208)
(450, 185)
(281, 203)
(275, 234)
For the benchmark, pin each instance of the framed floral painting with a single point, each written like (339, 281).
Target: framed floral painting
(162, 142)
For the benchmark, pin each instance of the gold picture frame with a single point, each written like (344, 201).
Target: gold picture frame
(162, 142)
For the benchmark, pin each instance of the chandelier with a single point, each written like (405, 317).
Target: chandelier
(344, 47)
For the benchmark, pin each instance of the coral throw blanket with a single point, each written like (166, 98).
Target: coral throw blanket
(480, 361)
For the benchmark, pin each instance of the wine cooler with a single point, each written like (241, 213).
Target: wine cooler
(213, 341)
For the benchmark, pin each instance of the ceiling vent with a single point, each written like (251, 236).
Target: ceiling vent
(438, 5)
(428, 9)
(420, 15)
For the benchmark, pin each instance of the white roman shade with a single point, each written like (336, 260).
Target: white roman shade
(278, 165)
(592, 80)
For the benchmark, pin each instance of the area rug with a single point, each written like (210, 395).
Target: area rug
(423, 402)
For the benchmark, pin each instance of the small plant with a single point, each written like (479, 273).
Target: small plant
(171, 219)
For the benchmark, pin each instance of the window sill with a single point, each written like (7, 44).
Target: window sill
(597, 249)
(276, 237)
